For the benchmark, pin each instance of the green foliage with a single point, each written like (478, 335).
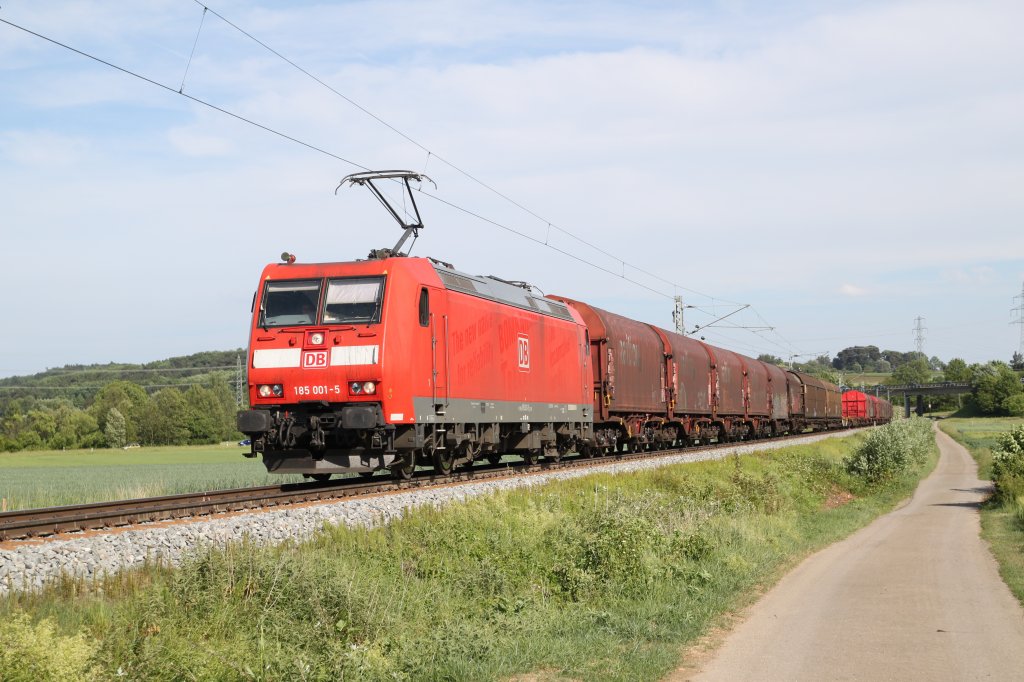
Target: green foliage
(1008, 465)
(204, 414)
(889, 451)
(1017, 362)
(36, 653)
(956, 370)
(822, 370)
(1014, 405)
(166, 418)
(994, 387)
(115, 430)
(915, 371)
(856, 358)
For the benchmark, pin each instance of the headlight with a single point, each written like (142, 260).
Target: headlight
(370, 388)
(355, 388)
(278, 390)
(316, 338)
(264, 391)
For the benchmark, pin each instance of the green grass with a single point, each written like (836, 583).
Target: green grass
(978, 435)
(53, 478)
(1002, 525)
(598, 578)
(866, 378)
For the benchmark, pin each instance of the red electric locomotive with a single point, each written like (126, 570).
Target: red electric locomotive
(395, 361)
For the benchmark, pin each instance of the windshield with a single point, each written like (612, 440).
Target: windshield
(290, 302)
(353, 300)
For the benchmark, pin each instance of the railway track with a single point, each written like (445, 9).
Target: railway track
(42, 522)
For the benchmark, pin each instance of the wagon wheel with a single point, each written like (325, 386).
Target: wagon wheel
(403, 471)
(443, 461)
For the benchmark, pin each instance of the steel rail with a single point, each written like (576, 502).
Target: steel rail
(40, 522)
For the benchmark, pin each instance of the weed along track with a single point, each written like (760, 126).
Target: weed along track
(56, 521)
(287, 512)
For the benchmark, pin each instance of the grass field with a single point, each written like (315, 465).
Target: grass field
(598, 578)
(53, 478)
(1001, 524)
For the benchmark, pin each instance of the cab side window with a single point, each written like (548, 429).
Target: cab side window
(424, 308)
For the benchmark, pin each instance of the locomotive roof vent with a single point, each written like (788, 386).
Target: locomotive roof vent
(403, 217)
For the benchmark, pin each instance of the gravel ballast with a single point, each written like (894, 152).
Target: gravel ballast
(30, 564)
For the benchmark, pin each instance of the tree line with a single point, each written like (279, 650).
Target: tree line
(121, 413)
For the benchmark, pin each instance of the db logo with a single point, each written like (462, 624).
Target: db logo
(524, 352)
(314, 359)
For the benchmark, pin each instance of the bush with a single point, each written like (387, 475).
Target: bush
(1014, 405)
(35, 652)
(889, 451)
(1008, 464)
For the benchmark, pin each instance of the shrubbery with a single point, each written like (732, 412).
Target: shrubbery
(891, 450)
(1008, 465)
(35, 652)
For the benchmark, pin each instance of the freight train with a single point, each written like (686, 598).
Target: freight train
(395, 362)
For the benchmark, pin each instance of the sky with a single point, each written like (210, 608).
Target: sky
(841, 167)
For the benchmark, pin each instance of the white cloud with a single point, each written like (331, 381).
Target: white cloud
(852, 290)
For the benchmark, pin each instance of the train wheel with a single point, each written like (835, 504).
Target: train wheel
(531, 456)
(552, 455)
(587, 451)
(366, 474)
(443, 461)
(494, 459)
(404, 471)
(320, 478)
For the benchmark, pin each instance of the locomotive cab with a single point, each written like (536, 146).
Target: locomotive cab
(327, 343)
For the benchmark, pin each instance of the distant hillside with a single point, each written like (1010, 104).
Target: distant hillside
(79, 383)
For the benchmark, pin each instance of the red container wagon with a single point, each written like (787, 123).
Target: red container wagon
(779, 397)
(629, 361)
(652, 386)
(857, 408)
(861, 409)
(390, 362)
(882, 410)
(820, 403)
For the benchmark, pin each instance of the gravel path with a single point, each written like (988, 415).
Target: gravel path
(29, 565)
(916, 595)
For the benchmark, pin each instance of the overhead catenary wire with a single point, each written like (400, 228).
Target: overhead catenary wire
(430, 153)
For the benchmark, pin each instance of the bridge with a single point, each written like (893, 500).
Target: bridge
(920, 390)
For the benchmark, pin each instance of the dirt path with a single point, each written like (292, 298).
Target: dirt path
(914, 596)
